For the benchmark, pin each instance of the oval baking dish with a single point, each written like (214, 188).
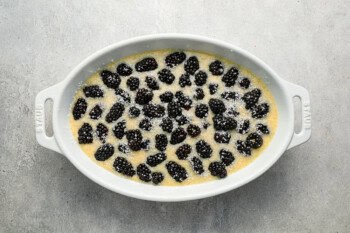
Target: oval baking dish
(63, 142)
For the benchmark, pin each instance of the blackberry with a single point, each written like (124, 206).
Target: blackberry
(143, 172)
(143, 96)
(166, 76)
(153, 110)
(197, 165)
(222, 137)
(260, 111)
(217, 169)
(167, 125)
(134, 135)
(243, 148)
(201, 110)
(93, 91)
(262, 129)
(177, 136)
(203, 149)
(176, 171)
(200, 78)
(244, 83)
(254, 140)
(230, 77)
(193, 130)
(184, 101)
(123, 166)
(243, 128)
(146, 64)
(183, 151)
(152, 83)
(133, 83)
(175, 59)
(101, 132)
(104, 152)
(154, 160)
(145, 124)
(224, 123)
(157, 177)
(191, 65)
(110, 79)
(134, 112)
(119, 129)
(85, 134)
(79, 108)
(185, 80)
(182, 120)
(217, 106)
(213, 87)
(124, 69)
(216, 68)
(123, 148)
(230, 95)
(251, 98)
(199, 94)
(174, 109)
(226, 157)
(166, 97)
(115, 112)
(232, 112)
(96, 112)
(161, 142)
(125, 97)
(134, 138)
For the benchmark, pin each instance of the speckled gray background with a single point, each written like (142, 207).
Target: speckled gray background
(306, 42)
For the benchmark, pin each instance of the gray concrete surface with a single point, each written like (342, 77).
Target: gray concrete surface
(306, 42)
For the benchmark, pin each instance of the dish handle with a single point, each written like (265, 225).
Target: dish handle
(40, 126)
(305, 132)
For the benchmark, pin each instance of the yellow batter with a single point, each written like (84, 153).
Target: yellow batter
(140, 156)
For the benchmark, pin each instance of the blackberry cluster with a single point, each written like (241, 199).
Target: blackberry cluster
(123, 166)
(251, 98)
(133, 83)
(143, 172)
(166, 76)
(101, 132)
(167, 125)
(224, 123)
(85, 134)
(79, 108)
(183, 151)
(104, 152)
(143, 96)
(217, 169)
(217, 106)
(184, 101)
(243, 148)
(193, 130)
(153, 110)
(200, 78)
(197, 165)
(191, 65)
(177, 136)
(176, 171)
(244, 83)
(243, 128)
(166, 97)
(260, 111)
(216, 68)
(123, 148)
(161, 142)
(222, 137)
(213, 87)
(203, 149)
(134, 138)
(157, 177)
(185, 80)
(182, 120)
(201, 110)
(175, 59)
(254, 140)
(230, 77)
(125, 97)
(134, 112)
(199, 94)
(119, 129)
(145, 124)
(96, 112)
(93, 91)
(152, 83)
(174, 109)
(226, 157)
(154, 160)
(262, 129)
(124, 69)
(230, 95)
(146, 64)
(115, 112)
(111, 80)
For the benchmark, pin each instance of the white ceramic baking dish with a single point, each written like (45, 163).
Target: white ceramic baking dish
(63, 142)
